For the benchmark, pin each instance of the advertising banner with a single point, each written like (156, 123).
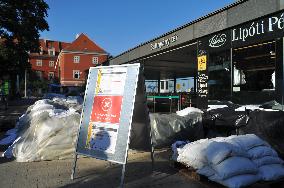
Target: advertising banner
(107, 112)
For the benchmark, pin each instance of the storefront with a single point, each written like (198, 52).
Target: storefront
(244, 64)
(234, 54)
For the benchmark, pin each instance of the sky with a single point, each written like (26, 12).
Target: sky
(118, 25)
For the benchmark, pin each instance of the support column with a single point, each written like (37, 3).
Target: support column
(194, 84)
(279, 71)
(159, 85)
(175, 83)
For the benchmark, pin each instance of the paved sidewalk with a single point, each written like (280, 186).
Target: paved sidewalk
(90, 172)
(94, 173)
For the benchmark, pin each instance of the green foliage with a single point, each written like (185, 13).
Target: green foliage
(20, 23)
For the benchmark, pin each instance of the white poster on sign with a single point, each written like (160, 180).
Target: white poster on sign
(102, 137)
(111, 81)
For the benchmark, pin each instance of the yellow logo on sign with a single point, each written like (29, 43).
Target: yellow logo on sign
(202, 60)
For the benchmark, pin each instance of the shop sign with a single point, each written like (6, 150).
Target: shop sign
(107, 112)
(202, 61)
(259, 28)
(218, 40)
(202, 80)
(164, 42)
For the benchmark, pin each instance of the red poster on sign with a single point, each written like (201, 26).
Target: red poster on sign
(106, 109)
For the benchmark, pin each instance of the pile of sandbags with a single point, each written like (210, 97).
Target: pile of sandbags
(234, 161)
(47, 131)
(270, 166)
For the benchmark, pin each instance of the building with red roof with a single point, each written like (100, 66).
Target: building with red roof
(43, 62)
(75, 60)
(67, 62)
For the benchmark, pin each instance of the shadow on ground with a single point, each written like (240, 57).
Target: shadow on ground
(138, 174)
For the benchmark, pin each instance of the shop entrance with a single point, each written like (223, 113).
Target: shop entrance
(170, 79)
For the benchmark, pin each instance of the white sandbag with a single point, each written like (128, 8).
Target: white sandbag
(193, 154)
(234, 166)
(216, 152)
(261, 151)
(237, 181)
(247, 141)
(188, 111)
(267, 160)
(271, 172)
(206, 171)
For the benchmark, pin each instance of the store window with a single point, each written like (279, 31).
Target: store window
(151, 86)
(76, 59)
(254, 73)
(164, 86)
(219, 75)
(76, 74)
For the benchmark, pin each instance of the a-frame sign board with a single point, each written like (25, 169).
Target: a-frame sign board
(106, 117)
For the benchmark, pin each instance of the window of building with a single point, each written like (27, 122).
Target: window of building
(39, 62)
(95, 60)
(76, 59)
(51, 75)
(51, 63)
(76, 74)
(162, 85)
(51, 52)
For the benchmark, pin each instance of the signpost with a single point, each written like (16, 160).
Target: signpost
(107, 114)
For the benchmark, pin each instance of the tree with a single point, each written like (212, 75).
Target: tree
(20, 24)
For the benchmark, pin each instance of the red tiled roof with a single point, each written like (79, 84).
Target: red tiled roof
(84, 44)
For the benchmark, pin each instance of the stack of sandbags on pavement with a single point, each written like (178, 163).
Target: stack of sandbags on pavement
(228, 164)
(47, 131)
(234, 161)
(270, 166)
